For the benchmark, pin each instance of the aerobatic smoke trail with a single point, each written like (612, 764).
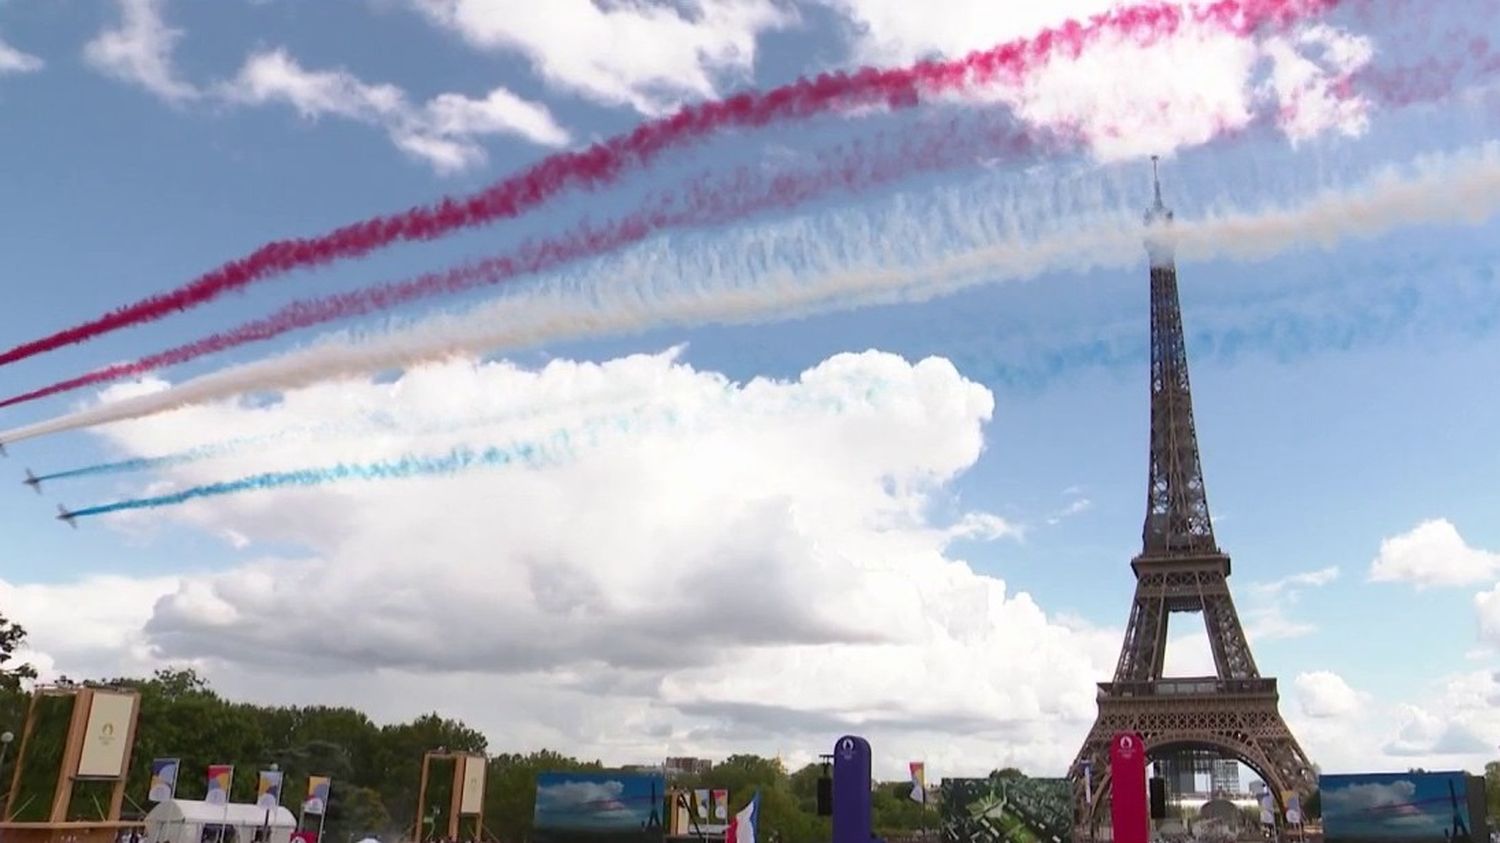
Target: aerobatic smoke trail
(191, 455)
(706, 201)
(606, 162)
(456, 460)
(228, 447)
(555, 449)
(1464, 187)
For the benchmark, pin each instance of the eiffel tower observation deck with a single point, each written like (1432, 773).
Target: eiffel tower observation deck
(1181, 569)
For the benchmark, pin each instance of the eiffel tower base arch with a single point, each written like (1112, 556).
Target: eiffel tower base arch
(1238, 719)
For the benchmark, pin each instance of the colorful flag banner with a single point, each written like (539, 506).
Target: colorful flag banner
(1293, 809)
(721, 804)
(318, 788)
(918, 781)
(268, 791)
(163, 779)
(742, 827)
(701, 797)
(220, 778)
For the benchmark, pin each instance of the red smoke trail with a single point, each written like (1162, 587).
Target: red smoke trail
(705, 202)
(604, 163)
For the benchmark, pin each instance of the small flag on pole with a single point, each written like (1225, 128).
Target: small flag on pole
(220, 779)
(268, 791)
(721, 804)
(317, 795)
(163, 779)
(701, 797)
(918, 781)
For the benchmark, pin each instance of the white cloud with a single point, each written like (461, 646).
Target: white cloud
(140, 49)
(1433, 554)
(1323, 694)
(1487, 606)
(1451, 724)
(443, 131)
(1182, 91)
(650, 56)
(13, 60)
(1292, 582)
(1077, 506)
(1188, 653)
(86, 628)
(1309, 77)
(757, 572)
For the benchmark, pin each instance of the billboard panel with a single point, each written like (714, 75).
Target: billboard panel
(1399, 808)
(471, 800)
(106, 737)
(599, 807)
(1006, 809)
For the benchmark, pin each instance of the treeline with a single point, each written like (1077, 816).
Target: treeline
(375, 768)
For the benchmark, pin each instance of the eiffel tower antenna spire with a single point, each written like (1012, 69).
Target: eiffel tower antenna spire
(1177, 519)
(1156, 182)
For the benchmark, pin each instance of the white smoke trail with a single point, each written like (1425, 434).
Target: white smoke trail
(862, 264)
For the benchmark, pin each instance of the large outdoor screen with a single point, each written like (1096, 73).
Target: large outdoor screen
(1402, 808)
(1005, 809)
(599, 807)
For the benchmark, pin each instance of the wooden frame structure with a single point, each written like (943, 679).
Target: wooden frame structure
(455, 802)
(57, 826)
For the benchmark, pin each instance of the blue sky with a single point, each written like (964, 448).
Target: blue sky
(1344, 396)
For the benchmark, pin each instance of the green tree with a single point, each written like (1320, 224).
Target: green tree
(356, 812)
(12, 673)
(894, 809)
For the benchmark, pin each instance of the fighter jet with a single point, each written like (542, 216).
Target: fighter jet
(33, 481)
(2, 450)
(64, 515)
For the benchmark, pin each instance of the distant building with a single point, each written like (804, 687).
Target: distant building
(1225, 778)
(685, 766)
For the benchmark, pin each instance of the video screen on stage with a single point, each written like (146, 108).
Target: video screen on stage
(599, 807)
(1403, 808)
(1007, 809)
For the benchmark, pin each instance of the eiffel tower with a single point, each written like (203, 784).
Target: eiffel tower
(1181, 569)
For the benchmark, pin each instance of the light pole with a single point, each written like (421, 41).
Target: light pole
(5, 738)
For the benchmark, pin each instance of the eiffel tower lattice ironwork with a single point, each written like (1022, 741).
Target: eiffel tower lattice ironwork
(1181, 569)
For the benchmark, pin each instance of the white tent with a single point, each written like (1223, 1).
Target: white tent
(193, 821)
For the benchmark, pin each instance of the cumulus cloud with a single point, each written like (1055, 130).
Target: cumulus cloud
(13, 60)
(649, 56)
(764, 568)
(443, 131)
(91, 627)
(1323, 694)
(1433, 554)
(139, 51)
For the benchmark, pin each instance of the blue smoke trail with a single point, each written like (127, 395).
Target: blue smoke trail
(171, 460)
(456, 460)
(533, 454)
(376, 423)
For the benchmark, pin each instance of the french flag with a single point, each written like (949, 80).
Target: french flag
(742, 825)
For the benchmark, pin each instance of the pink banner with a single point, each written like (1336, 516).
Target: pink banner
(1127, 798)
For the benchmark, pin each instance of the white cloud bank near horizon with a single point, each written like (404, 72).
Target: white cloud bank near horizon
(760, 575)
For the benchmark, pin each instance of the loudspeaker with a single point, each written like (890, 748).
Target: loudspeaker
(1158, 787)
(825, 796)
